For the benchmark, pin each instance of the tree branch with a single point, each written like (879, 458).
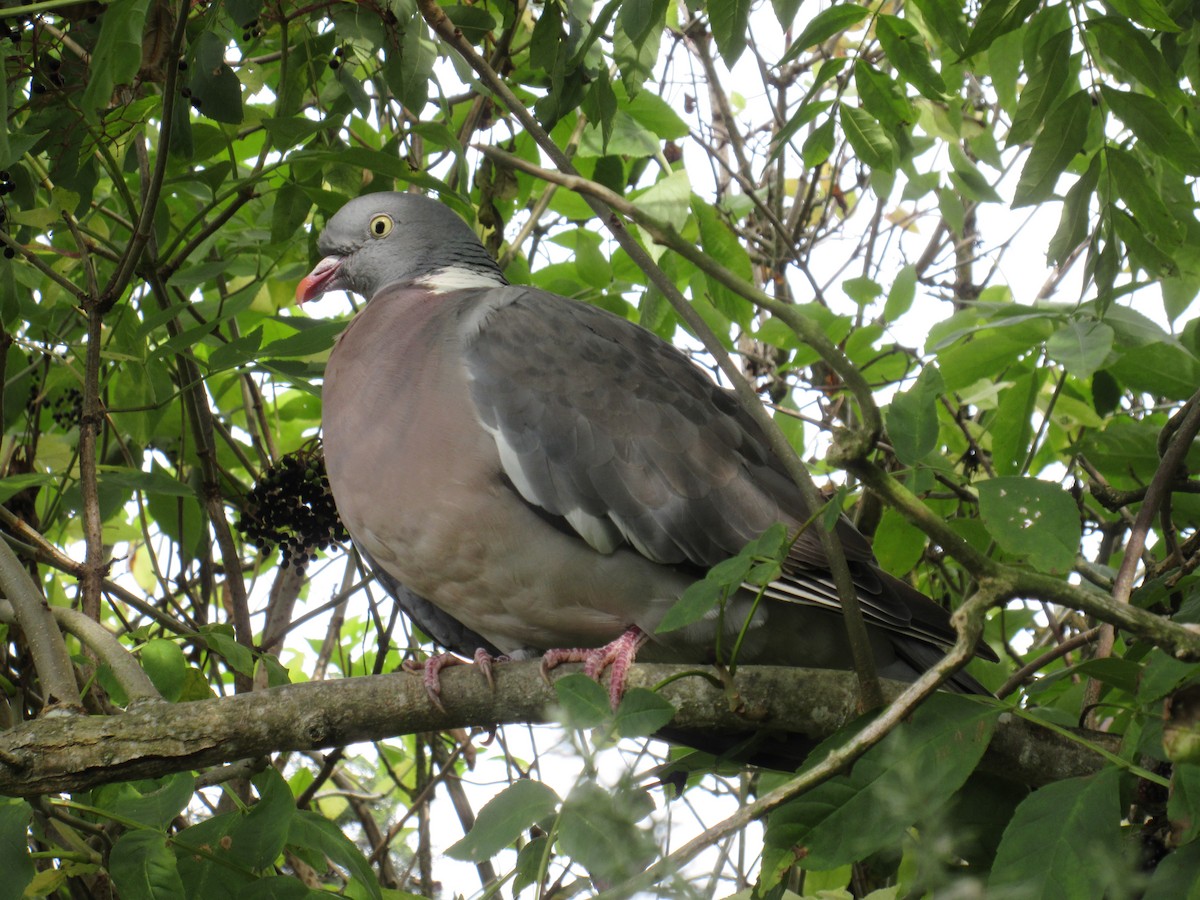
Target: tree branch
(156, 739)
(46, 644)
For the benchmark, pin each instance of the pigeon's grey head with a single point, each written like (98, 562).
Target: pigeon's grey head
(391, 238)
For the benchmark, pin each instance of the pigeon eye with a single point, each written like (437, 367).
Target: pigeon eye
(381, 226)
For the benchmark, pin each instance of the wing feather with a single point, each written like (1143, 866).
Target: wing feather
(625, 438)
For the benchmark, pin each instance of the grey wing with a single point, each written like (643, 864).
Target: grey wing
(607, 426)
(602, 423)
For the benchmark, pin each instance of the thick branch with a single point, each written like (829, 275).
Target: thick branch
(155, 739)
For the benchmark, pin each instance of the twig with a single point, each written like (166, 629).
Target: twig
(108, 649)
(143, 230)
(1171, 460)
(1181, 642)
(1062, 649)
(46, 644)
(90, 422)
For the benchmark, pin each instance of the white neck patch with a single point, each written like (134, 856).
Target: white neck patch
(455, 278)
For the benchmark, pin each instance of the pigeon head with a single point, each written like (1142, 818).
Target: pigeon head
(389, 238)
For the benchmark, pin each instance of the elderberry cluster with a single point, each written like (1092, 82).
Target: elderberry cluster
(251, 30)
(291, 506)
(11, 29)
(67, 410)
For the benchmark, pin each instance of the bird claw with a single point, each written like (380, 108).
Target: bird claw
(431, 671)
(616, 656)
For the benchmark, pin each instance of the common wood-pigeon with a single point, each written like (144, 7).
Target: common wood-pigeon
(530, 472)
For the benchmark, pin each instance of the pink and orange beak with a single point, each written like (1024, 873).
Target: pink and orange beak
(323, 277)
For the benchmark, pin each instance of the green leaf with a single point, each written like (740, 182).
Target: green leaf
(1011, 425)
(600, 105)
(291, 208)
(1177, 876)
(946, 19)
(237, 352)
(1144, 253)
(636, 37)
(1164, 371)
(900, 297)
(1135, 56)
(823, 26)
(642, 713)
(529, 864)
(166, 666)
(1154, 126)
(898, 545)
(1032, 519)
(881, 96)
(818, 146)
(1076, 215)
(697, 600)
(989, 350)
(118, 52)
(667, 199)
(1047, 84)
(214, 85)
(11, 485)
(15, 861)
(292, 131)
(969, 180)
(656, 116)
(729, 20)
(1081, 346)
(1183, 805)
(785, 11)
(142, 865)
(996, 18)
(1060, 140)
(474, 22)
(637, 20)
(308, 829)
(720, 244)
(862, 290)
(584, 702)
(1142, 198)
(598, 829)
(1063, 841)
(906, 50)
(263, 832)
(504, 818)
(1150, 13)
(244, 13)
(220, 641)
(911, 773)
(702, 596)
(872, 144)
(316, 336)
(155, 481)
(912, 418)
(410, 74)
(156, 806)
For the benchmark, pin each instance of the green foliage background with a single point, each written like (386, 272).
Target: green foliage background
(166, 168)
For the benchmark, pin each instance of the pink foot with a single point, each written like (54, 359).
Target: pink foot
(617, 656)
(431, 671)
